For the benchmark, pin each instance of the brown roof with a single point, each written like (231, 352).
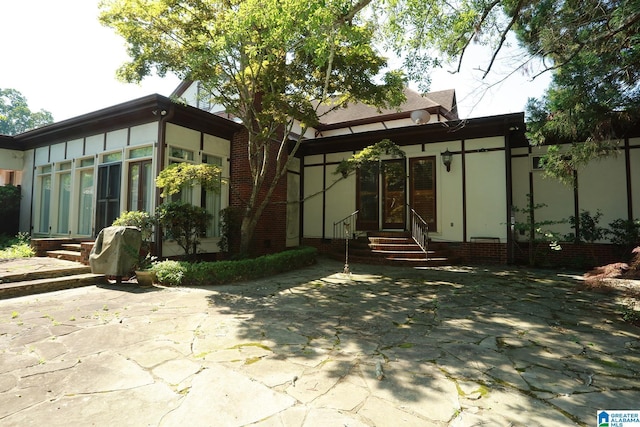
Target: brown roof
(440, 102)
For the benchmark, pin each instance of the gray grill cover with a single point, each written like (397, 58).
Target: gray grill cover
(115, 251)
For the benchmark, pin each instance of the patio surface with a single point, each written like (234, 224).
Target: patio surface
(384, 346)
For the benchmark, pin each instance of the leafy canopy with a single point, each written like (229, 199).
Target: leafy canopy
(15, 115)
(176, 177)
(270, 63)
(591, 47)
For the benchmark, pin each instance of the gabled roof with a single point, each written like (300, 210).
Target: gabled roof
(439, 103)
(508, 124)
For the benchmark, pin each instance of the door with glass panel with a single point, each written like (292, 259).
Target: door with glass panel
(393, 194)
(140, 190)
(108, 197)
(367, 197)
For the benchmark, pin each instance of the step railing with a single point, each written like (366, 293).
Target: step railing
(346, 227)
(419, 231)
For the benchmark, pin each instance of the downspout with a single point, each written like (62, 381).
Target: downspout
(509, 189)
(160, 154)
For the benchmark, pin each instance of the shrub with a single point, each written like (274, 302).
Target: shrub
(625, 233)
(143, 220)
(588, 229)
(169, 272)
(230, 228)
(184, 223)
(18, 247)
(220, 272)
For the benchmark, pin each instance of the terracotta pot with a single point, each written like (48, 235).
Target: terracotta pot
(145, 277)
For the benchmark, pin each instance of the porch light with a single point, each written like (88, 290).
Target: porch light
(447, 157)
(420, 117)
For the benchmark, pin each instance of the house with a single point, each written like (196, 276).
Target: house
(79, 174)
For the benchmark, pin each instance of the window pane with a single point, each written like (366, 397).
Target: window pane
(140, 152)
(134, 186)
(64, 202)
(147, 186)
(85, 209)
(86, 162)
(211, 200)
(179, 153)
(112, 157)
(45, 203)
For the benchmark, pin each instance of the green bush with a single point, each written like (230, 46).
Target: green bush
(170, 273)
(625, 233)
(141, 219)
(17, 247)
(184, 223)
(185, 273)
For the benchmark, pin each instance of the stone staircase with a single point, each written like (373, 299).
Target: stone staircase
(27, 276)
(68, 249)
(395, 248)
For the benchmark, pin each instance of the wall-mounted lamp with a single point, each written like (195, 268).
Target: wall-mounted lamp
(420, 117)
(447, 157)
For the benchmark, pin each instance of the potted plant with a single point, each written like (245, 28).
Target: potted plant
(145, 276)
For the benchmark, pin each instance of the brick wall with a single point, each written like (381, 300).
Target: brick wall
(270, 233)
(571, 255)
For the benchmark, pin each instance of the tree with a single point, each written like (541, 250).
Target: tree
(271, 63)
(591, 47)
(15, 115)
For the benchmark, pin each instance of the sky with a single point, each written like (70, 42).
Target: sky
(57, 54)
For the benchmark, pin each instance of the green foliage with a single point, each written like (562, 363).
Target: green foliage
(9, 209)
(231, 219)
(220, 272)
(625, 233)
(589, 230)
(178, 176)
(17, 247)
(537, 230)
(271, 63)
(9, 200)
(184, 223)
(143, 220)
(15, 115)
(170, 273)
(371, 153)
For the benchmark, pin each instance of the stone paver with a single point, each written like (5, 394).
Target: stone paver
(383, 346)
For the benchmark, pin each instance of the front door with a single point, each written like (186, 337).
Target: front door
(381, 195)
(108, 198)
(393, 194)
(367, 197)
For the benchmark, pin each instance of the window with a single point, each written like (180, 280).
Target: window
(64, 201)
(85, 196)
(179, 155)
(44, 199)
(211, 200)
(140, 186)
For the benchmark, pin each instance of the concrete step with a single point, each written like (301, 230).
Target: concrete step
(76, 247)
(66, 255)
(46, 273)
(35, 286)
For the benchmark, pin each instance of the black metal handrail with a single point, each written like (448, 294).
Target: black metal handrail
(420, 231)
(345, 228)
